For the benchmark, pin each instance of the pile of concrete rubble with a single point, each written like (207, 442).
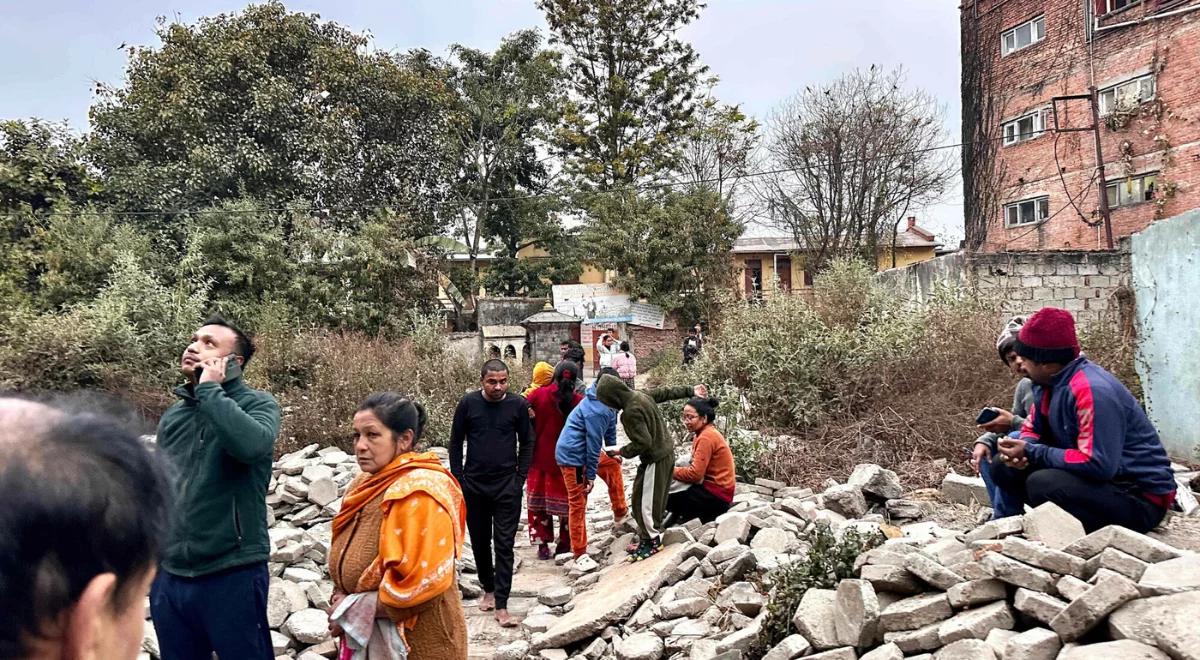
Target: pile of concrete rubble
(1015, 589)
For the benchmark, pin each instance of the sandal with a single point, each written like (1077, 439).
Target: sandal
(543, 552)
(646, 549)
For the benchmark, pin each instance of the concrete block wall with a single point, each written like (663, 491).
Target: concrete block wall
(1086, 283)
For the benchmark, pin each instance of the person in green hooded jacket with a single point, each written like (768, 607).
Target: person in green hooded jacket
(649, 439)
(211, 594)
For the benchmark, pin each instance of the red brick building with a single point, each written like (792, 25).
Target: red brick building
(1030, 167)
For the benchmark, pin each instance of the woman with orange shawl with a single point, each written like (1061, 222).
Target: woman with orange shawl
(395, 542)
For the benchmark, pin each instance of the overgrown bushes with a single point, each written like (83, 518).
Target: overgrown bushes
(321, 377)
(854, 375)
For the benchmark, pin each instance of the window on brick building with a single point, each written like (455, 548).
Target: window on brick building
(1107, 6)
(1025, 34)
(1026, 212)
(1132, 190)
(1024, 128)
(1127, 95)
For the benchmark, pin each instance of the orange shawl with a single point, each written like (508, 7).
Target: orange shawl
(422, 532)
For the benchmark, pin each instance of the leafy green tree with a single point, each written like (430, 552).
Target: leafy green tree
(508, 101)
(633, 86)
(274, 106)
(671, 248)
(41, 170)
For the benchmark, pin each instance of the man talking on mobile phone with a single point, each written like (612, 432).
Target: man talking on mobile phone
(211, 594)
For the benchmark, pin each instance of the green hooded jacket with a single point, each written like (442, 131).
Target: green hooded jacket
(644, 425)
(221, 441)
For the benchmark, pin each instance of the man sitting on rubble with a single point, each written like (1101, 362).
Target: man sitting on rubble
(1086, 445)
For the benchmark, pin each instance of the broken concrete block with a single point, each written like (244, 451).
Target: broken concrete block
(835, 654)
(1033, 644)
(1050, 525)
(966, 649)
(965, 490)
(1142, 619)
(875, 480)
(1041, 556)
(885, 652)
(815, 618)
(1071, 587)
(1172, 576)
(997, 639)
(846, 500)
(913, 641)
(891, 578)
(976, 592)
(996, 529)
(1085, 612)
(916, 612)
(931, 572)
(641, 646)
(1041, 607)
(1125, 649)
(1018, 574)
(687, 607)
(733, 526)
(741, 596)
(1118, 562)
(975, 624)
(908, 509)
(792, 647)
(856, 614)
(773, 538)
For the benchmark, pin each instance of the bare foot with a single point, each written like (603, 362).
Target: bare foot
(505, 619)
(488, 602)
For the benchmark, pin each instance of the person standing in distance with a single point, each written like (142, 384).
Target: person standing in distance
(211, 594)
(494, 425)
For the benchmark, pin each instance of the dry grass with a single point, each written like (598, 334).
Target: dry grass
(320, 378)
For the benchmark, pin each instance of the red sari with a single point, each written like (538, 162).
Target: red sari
(545, 486)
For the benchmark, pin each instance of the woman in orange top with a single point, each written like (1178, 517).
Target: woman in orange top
(711, 471)
(398, 534)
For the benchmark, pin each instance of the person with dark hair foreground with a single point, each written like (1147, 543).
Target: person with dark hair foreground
(547, 492)
(711, 472)
(211, 595)
(86, 509)
(395, 541)
(1087, 445)
(494, 426)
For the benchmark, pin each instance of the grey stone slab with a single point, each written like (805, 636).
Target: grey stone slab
(1087, 611)
(975, 624)
(1033, 644)
(915, 612)
(1039, 606)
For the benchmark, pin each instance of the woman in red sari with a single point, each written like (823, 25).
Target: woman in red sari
(547, 492)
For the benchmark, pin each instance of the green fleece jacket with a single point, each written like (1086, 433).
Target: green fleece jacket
(221, 441)
(644, 425)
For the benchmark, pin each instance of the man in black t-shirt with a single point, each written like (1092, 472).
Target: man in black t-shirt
(494, 424)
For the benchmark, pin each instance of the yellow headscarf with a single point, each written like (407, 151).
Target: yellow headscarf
(543, 373)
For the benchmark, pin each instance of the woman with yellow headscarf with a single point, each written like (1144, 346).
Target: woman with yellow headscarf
(543, 373)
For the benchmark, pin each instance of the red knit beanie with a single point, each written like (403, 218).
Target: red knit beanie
(1048, 337)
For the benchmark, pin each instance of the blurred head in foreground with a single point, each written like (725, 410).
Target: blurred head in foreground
(85, 508)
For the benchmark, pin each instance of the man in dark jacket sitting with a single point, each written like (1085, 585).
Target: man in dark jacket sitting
(1086, 445)
(211, 594)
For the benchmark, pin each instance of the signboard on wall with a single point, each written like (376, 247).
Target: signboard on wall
(648, 316)
(601, 304)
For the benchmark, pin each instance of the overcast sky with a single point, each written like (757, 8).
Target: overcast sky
(762, 50)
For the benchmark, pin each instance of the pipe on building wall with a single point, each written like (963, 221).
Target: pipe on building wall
(1145, 19)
